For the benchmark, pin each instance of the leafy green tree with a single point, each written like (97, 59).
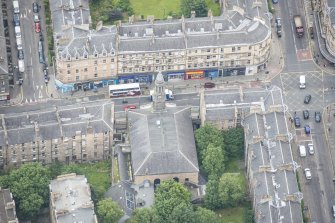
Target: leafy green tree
(169, 195)
(234, 142)
(206, 135)
(231, 189)
(199, 6)
(144, 215)
(109, 211)
(203, 215)
(212, 198)
(182, 213)
(125, 6)
(30, 187)
(213, 162)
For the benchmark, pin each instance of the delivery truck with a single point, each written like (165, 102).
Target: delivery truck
(299, 29)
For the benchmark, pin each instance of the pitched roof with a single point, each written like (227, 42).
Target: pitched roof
(162, 142)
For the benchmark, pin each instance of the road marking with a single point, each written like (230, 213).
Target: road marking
(30, 53)
(31, 100)
(26, 100)
(41, 86)
(40, 94)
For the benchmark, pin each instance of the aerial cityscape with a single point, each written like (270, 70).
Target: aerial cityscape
(150, 111)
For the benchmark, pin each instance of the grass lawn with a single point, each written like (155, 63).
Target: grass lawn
(116, 176)
(232, 215)
(98, 175)
(159, 8)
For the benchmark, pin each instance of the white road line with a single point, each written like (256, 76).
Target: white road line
(26, 100)
(31, 100)
(40, 94)
(37, 87)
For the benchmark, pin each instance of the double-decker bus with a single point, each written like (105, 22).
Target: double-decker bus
(122, 90)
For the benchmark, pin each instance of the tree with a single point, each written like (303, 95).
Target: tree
(144, 215)
(199, 6)
(231, 189)
(212, 200)
(206, 135)
(182, 213)
(213, 162)
(115, 14)
(234, 142)
(30, 187)
(169, 195)
(109, 211)
(125, 6)
(203, 215)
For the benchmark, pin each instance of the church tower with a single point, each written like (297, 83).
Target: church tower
(159, 93)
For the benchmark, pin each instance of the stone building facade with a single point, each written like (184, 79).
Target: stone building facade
(327, 21)
(76, 133)
(236, 43)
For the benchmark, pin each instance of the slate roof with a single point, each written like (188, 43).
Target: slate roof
(242, 22)
(162, 142)
(53, 123)
(269, 188)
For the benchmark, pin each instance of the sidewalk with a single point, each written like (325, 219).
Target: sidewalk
(329, 118)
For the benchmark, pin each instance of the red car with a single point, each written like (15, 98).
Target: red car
(129, 107)
(37, 27)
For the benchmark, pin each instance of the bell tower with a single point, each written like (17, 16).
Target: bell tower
(159, 93)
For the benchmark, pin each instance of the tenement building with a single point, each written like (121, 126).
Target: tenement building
(325, 20)
(7, 207)
(70, 200)
(75, 133)
(236, 43)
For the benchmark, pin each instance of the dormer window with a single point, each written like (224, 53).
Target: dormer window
(96, 55)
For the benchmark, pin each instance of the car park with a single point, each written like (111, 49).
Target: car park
(310, 148)
(305, 114)
(307, 129)
(297, 122)
(307, 99)
(35, 7)
(308, 173)
(317, 117)
(20, 54)
(37, 27)
(129, 107)
(209, 85)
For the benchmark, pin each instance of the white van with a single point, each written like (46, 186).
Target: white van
(302, 150)
(19, 43)
(302, 82)
(16, 6)
(18, 31)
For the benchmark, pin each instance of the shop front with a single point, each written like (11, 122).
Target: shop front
(64, 87)
(138, 78)
(212, 73)
(194, 74)
(236, 71)
(176, 76)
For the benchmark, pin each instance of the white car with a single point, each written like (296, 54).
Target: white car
(308, 174)
(311, 148)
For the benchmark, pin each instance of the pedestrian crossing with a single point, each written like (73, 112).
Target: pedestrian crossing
(33, 100)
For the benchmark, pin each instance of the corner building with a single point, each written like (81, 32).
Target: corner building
(236, 43)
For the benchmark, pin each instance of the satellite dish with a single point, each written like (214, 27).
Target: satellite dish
(99, 26)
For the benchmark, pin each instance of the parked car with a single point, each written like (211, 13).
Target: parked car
(307, 129)
(36, 18)
(311, 148)
(279, 27)
(317, 117)
(46, 79)
(297, 122)
(209, 85)
(37, 27)
(307, 99)
(308, 173)
(20, 54)
(45, 72)
(16, 19)
(129, 107)
(305, 113)
(36, 7)
(274, 1)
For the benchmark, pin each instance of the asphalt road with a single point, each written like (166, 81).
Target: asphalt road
(33, 88)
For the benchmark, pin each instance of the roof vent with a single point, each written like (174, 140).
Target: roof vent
(158, 122)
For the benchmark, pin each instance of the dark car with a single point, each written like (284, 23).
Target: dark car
(45, 72)
(307, 99)
(20, 54)
(209, 85)
(305, 113)
(274, 1)
(311, 32)
(16, 19)
(35, 7)
(307, 129)
(317, 117)
(297, 122)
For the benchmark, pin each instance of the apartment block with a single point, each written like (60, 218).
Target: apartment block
(7, 207)
(77, 133)
(70, 200)
(236, 43)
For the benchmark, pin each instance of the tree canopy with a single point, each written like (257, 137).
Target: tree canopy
(234, 142)
(199, 6)
(168, 195)
(109, 211)
(144, 215)
(30, 187)
(231, 190)
(212, 198)
(213, 162)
